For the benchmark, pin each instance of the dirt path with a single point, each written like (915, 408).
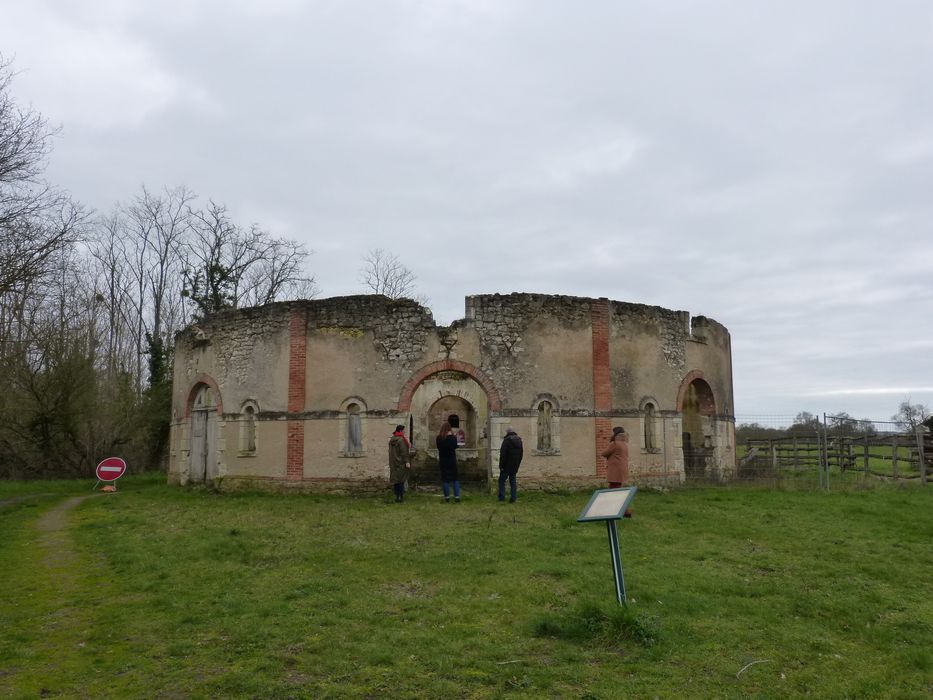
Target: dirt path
(54, 593)
(54, 537)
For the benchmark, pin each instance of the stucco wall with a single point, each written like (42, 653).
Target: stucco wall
(648, 351)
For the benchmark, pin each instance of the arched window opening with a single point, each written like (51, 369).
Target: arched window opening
(454, 420)
(545, 415)
(248, 430)
(354, 428)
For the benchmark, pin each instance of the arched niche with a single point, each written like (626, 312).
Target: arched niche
(447, 393)
(461, 415)
(248, 441)
(545, 440)
(648, 411)
(352, 427)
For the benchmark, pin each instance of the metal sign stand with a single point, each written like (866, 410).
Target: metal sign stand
(610, 505)
(616, 561)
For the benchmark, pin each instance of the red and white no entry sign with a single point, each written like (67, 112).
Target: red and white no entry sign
(111, 469)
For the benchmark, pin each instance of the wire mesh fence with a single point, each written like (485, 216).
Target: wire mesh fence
(831, 450)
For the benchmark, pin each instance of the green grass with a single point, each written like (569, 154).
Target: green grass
(735, 592)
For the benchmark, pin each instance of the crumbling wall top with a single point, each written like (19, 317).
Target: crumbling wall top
(516, 310)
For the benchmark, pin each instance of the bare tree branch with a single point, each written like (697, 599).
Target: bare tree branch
(24, 136)
(384, 273)
(36, 221)
(911, 415)
(227, 265)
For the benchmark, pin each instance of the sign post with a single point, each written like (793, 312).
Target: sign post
(110, 469)
(610, 505)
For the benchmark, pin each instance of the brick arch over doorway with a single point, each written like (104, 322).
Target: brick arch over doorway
(708, 408)
(199, 381)
(492, 394)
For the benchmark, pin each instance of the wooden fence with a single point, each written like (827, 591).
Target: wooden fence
(895, 457)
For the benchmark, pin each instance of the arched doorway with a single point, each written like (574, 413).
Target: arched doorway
(698, 407)
(203, 456)
(457, 398)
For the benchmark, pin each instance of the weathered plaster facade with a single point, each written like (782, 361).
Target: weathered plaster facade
(306, 393)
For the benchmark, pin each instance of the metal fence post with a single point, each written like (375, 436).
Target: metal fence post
(824, 456)
(922, 457)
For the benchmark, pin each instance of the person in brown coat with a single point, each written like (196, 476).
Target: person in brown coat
(617, 460)
(399, 462)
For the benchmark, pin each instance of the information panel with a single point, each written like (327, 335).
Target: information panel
(607, 504)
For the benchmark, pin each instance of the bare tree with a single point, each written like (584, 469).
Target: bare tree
(113, 287)
(911, 415)
(24, 135)
(384, 273)
(227, 265)
(71, 316)
(156, 228)
(50, 383)
(161, 222)
(28, 236)
(276, 275)
(213, 259)
(29, 244)
(37, 223)
(805, 423)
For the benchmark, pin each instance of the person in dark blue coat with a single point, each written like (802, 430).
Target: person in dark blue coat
(510, 458)
(447, 459)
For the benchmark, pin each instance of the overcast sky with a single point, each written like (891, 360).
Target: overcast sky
(767, 164)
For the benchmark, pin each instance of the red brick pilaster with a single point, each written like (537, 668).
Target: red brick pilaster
(602, 384)
(297, 350)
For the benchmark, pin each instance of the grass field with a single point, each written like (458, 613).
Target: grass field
(735, 592)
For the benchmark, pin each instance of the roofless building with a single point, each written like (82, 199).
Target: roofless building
(305, 394)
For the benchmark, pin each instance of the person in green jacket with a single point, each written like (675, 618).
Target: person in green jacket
(399, 462)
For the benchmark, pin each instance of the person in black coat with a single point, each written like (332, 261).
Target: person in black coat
(510, 458)
(447, 459)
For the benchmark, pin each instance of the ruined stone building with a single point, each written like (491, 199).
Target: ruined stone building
(306, 393)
